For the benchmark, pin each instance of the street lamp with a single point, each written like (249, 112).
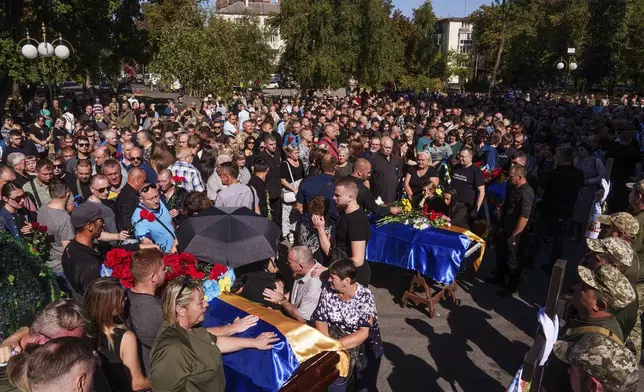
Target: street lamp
(571, 64)
(57, 48)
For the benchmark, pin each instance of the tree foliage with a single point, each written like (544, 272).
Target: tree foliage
(206, 53)
(328, 42)
(606, 36)
(104, 35)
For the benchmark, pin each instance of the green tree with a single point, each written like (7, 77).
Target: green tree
(104, 34)
(329, 41)
(427, 49)
(208, 54)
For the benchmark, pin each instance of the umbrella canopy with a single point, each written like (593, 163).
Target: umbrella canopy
(230, 236)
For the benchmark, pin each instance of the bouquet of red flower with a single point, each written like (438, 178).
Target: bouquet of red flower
(38, 241)
(436, 219)
(493, 175)
(178, 179)
(181, 264)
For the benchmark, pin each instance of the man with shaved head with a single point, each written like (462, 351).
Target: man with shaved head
(136, 158)
(361, 173)
(128, 199)
(318, 185)
(386, 170)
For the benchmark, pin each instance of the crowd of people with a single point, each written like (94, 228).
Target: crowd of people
(122, 174)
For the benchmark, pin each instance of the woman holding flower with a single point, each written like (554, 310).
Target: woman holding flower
(186, 357)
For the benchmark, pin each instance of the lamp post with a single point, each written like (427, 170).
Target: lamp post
(56, 48)
(570, 65)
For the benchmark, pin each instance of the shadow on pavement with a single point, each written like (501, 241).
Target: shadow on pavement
(409, 372)
(449, 352)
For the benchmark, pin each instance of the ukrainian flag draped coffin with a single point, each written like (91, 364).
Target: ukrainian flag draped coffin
(255, 370)
(436, 253)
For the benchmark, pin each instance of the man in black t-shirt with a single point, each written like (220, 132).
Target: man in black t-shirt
(513, 237)
(469, 183)
(353, 229)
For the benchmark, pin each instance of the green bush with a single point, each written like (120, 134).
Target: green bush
(26, 283)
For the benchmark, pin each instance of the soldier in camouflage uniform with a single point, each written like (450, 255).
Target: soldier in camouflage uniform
(636, 208)
(624, 226)
(602, 293)
(597, 360)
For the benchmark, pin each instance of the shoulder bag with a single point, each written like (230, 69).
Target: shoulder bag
(289, 196)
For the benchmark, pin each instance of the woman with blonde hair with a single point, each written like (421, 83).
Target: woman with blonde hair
(117, 346)
(186, 357)
(343, 168)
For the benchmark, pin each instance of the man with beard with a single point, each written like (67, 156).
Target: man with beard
(38, 188)
(18, 144)
(79, 182)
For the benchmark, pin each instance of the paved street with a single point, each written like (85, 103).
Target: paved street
(477, 346)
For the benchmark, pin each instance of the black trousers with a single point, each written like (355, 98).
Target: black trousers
(275, 206)
(508, 257)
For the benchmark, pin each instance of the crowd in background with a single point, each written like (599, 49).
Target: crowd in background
(317, 167)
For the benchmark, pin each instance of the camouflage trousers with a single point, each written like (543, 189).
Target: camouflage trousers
(635, 337)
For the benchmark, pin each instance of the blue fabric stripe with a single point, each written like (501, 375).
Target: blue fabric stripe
(435, 253)
(250, 369)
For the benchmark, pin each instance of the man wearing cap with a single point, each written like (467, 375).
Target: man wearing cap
(636, 201)
(619, 254)
(599, 295)
(81, 262)
(598, 363)
(624, 226)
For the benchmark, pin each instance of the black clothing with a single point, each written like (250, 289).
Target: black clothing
(466, 181)
(78, 188)
(22, 180)
(354, 227)
(385, 176)
(82, 265)
(260, 189)
(255, 284)
(457, 212)
(518, 203)
(366, 199)
(416, 183)
(27, 148)
(273, 183)
(126, 203)
(561, 188)
(624, 160)
(505, 155)
(115, 371)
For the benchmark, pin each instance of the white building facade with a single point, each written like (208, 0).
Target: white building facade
(261, 11)
(455, 34)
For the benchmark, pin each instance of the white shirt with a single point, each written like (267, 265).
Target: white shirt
(243, 116)
(229, 129)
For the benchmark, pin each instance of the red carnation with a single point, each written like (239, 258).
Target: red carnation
(425, 210)
(432, 215)
(35, 225)
(217, 271)
(42, 229)
(440, 215)
(147, 215)
(178, 179)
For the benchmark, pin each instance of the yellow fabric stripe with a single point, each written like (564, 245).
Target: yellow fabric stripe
(305, 341)
(473, 237)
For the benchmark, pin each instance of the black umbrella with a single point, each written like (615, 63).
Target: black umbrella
(229, 236)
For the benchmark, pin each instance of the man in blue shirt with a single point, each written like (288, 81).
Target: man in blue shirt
(152, 221)
(324, 185)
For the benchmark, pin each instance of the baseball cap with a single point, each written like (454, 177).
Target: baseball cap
(86, 213)
(609, 362)
(623, 221)
(611, 283)
(638, 186)
(616, 247)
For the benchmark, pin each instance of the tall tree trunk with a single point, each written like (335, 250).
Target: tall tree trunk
(497, 63)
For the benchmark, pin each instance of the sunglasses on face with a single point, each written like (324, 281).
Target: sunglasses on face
(83, 145)
(147, 187)
(58, 167)
(101, 190)
(135, 158)
(18, 199)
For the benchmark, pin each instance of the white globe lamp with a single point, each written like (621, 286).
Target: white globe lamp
(62, 52)
(560, 65)
(29, 51)
(46, 49)
(573, 66)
